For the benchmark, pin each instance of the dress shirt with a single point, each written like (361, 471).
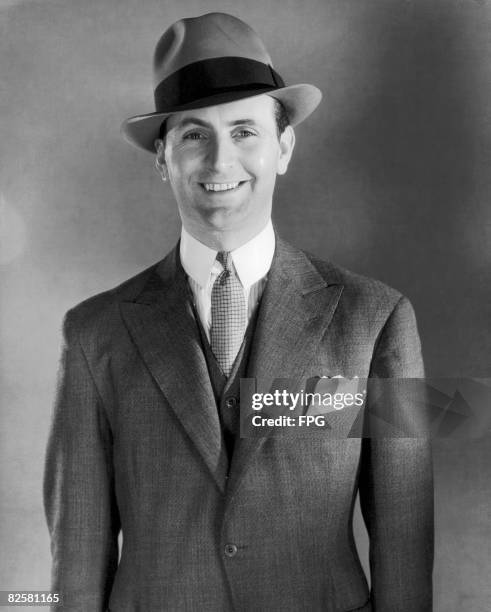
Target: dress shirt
(251, 261)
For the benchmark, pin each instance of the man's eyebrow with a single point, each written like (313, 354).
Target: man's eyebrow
(243, 122)
(192, 121)
(195, 121)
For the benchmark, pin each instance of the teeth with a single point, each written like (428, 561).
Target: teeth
(220, 186)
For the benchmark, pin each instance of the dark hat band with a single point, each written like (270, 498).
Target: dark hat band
(210, 77)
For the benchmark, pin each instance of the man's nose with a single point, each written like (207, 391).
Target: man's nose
(221, 153)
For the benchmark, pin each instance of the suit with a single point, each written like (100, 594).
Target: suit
(136, 444)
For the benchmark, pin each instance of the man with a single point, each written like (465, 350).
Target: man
(145, 435)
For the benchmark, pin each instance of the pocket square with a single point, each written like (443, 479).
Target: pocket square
(337, 376)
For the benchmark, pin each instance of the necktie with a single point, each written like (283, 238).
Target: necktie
(228, 314)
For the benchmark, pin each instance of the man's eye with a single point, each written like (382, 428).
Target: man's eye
(193, 136)
(244, 133)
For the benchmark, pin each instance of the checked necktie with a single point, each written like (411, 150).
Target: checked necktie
(228, 314)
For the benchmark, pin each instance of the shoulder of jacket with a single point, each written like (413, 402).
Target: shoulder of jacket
(101, 308)
(352, 280)
(359, 291)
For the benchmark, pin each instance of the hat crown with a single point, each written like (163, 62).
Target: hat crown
(211, 60)
(214, 35)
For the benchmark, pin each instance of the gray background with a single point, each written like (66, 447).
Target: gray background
(390, 178)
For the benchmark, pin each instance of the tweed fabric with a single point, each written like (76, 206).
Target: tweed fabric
(228, 314)
(136, 444)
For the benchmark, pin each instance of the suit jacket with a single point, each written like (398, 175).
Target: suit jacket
(136, 445)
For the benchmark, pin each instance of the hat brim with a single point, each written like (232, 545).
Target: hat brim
(299, 101)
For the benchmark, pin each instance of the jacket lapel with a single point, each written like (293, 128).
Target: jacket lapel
(296, 309)
(162, 325)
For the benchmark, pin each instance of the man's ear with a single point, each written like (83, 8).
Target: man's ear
(160, 158)
(287, 143)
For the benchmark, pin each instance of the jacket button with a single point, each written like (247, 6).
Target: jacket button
(231, 402)
(230, 550)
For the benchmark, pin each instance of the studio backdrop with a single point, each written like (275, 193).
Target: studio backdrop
(391, 178)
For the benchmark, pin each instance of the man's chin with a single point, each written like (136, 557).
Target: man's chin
(225, 216)
(232, 227)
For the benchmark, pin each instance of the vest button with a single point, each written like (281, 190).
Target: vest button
(230, 550)
(231, 402)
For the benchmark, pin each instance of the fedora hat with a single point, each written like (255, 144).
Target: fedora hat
(209, 60)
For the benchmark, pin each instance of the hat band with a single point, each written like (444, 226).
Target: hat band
(214, 76)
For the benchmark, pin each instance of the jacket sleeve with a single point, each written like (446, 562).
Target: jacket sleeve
(79, 498)
(396, 486)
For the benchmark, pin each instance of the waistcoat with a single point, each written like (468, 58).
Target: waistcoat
(227, 391)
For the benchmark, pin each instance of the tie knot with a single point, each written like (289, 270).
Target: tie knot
(225, 259)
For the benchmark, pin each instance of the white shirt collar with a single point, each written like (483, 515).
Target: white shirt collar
(252, 260)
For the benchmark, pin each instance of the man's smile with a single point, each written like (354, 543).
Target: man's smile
(232, 186)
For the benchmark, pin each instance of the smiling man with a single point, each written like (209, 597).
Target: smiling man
(145, 437)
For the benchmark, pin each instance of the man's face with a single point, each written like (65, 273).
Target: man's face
(222, 163)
